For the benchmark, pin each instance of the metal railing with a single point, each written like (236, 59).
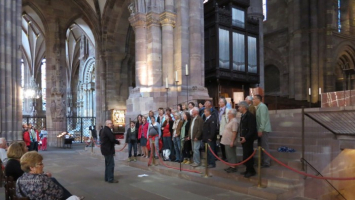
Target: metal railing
(320, 174)
(79, 127)
(38, 122)
(320, 130)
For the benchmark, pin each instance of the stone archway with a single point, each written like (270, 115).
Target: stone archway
(272, 80)
(344, 69)
(86, 102)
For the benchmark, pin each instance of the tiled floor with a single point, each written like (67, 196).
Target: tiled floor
(83, 176)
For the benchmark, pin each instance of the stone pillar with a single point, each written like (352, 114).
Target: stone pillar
(138, 22)
(167, 20)
(345, 13)
(100, 88)
(196, 42)
(351, 10)
(256, 10)
(56, 84)
(10, 69)
(167, 51)
(181, 46)
(154, 64)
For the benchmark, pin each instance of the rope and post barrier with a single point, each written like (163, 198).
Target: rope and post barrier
(153, 151)
(259, 168)
(92, 144)
(305, 174)
(152, 158)
(206, 165)
(232, 164)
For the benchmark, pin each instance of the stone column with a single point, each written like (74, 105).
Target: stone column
(154, 64)
(196, 42)
(167, 19)
(10, 69)
(256, 10)
(138, 22)
(56, 84)
(100, 87)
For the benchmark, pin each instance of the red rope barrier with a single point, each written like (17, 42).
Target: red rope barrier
(122, 148)
(231, 164)
(186, 170)
(150, 159)
(93, 141)
(305, 174)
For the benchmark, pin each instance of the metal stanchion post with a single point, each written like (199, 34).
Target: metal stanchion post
(92, 144)
(259, 168)
(303, 145)
(206, 166)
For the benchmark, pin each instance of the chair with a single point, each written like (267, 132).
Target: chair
(10, 189)
(1, 174)
(13, 195)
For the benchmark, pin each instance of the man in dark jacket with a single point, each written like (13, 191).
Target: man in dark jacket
(108, 142)
(209, 136)
(248, 133)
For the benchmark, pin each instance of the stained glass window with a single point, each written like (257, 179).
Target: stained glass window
(44, 86)
(238, 17)
(223, 48)
(265, 9)
(339, 13)
(252, 55)
(238, 52)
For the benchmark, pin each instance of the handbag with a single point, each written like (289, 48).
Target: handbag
(157, 132)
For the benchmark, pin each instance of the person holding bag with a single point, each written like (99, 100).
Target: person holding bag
(131, 140)
(154, 134)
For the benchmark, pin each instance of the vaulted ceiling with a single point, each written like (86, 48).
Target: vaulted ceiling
(97, 6)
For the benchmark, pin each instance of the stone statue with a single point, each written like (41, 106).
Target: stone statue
(53, 109)
(132, 8)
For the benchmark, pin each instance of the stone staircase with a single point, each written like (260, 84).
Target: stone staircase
(281, 183)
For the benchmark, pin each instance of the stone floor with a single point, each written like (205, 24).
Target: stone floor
(83, 176)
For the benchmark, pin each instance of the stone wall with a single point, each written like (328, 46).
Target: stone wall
(303, 42)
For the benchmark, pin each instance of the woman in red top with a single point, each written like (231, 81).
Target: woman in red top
(26, 136)
(167, 129)
(142, 136)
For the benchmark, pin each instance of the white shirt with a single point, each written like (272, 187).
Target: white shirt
(192, 125)
(207, 118)
(3, 156)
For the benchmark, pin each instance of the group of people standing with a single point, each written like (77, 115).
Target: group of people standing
(33, 138)
(185, 131)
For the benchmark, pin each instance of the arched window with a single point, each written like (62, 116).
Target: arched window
(265, 9)
(339, 14)
(43, 83)
(86, 90)
(272, 80)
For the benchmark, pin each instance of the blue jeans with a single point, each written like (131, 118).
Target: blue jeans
(156, 145)
(130, 145)
(196, 151)
(210, 158)
(177, 146)
(168, 143)
(109, 167)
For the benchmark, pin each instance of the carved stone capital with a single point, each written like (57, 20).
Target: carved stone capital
(138, 20)
(168, 19)
(153, 19)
